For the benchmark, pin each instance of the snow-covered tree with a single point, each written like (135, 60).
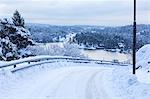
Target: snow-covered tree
(72, 50)
(8, 50)
(17, 19)
(14, 38)
(66, 49)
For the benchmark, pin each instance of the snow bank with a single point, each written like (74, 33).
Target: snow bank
(12, 81)
(143, 53)
(143, 59)
(143, 76)
(5, 79)
(127, 85)
(143, 56)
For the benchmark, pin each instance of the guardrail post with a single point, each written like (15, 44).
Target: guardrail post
(14, 66)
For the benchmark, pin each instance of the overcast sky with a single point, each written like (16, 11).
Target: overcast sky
(77, 12)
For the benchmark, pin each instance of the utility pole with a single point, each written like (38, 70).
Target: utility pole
(134, 39)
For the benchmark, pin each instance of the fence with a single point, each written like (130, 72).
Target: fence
(38, 60)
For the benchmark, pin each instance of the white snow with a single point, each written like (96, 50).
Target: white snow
(56, 81)
(143, 57)
(143, 53)
(56, 49)
(63, 80)
(127, 85)
(1, 51)
(9, 54)
(73, 80)
(143, 76)
(33, 58)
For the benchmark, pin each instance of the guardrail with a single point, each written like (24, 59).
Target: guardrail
(39, 59)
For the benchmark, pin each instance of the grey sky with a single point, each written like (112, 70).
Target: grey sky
(70, 12)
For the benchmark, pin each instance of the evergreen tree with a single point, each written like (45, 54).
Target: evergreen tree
(13, 40)
(17, 19)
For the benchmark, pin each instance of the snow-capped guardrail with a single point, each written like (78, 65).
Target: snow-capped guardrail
(45, 59)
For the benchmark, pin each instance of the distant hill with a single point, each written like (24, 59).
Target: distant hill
(91, 34)
(46, 33)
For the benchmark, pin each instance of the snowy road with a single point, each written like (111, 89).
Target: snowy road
(76, 83)
(63, 83)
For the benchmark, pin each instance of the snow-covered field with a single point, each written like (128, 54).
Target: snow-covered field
(63, 80)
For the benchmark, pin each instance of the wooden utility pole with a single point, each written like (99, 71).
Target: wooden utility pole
(134, 39)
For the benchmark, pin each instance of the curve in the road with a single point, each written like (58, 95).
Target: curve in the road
(78, 82)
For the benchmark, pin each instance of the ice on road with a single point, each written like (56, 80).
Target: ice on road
(63, 83)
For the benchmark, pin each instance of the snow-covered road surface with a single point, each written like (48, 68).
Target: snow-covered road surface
(63, 83)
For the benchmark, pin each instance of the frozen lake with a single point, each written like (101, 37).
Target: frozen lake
(101, 54)
(105, 55)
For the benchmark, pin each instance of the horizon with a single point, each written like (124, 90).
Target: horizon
(80, 12)
(83, 25)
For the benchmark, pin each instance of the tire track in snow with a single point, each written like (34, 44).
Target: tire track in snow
(76, 84)
(92, 90)
(49, 86)
(66, 83)
(79, 83)
(61, 88)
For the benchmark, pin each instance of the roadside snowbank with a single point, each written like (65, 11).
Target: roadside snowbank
(143, 59)
(143, 53)
(127, 85)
